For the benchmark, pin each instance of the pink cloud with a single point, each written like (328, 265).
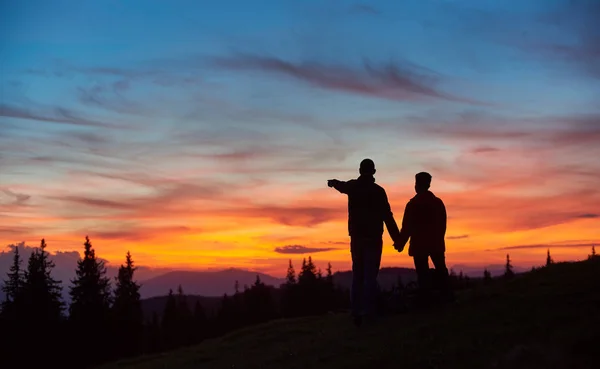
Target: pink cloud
(393, 82)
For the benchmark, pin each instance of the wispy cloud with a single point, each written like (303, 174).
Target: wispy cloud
(110, 99)
(137, 233)
(547, 246)
(17, 198)
(484, 149)
(392, 81)
(299, 249)
(54, 115)
(165, 77)
(578, 19)
(565, 31)
(552, 131)
(292, 215)
(461, 237)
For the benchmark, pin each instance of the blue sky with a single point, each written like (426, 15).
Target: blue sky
(109, 105)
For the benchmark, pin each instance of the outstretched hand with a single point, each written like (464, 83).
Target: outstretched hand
(331, 182)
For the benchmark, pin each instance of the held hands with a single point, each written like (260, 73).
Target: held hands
(399, 242)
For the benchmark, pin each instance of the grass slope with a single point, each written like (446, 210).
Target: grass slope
(548, 318)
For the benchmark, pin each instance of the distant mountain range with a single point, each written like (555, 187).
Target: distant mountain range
(217, 283)
(208, 287)
(213, 283)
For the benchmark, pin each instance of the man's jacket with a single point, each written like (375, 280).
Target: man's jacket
(425, 224)
(368, 208)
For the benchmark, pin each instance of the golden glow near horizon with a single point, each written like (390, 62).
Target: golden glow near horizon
(256, 239)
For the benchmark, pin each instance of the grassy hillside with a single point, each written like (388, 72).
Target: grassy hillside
(548, 318)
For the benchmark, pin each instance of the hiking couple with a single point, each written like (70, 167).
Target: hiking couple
(424, 223)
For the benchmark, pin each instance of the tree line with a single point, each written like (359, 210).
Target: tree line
(105, 321)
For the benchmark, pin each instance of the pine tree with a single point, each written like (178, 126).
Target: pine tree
(308, 275)
(90, 308)
(259, 303)
(11, 316)
(152, 335)
(487, 276)
(290, 278)
(226, 315)
(41, 292)
(508, 272)
(169, 323)
(329, 276)
(13, 288)
(42, 308)
(309, 289)
(328, 296)
(549, 258)
(593, 254)
(290, 293)
(185, 319)
(127, 310)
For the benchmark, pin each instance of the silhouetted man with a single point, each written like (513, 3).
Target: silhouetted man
(424, 223)
(368, 210)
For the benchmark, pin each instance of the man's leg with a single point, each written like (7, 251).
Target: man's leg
(358, 267)
(441, 271)
(422, 269)
(373, 250)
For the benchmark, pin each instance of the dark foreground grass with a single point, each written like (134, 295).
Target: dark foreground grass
(548, 318)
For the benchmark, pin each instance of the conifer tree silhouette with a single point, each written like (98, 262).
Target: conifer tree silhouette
(487, 276)
(259, 303)
(41, 292)
(308, 274)
(508, 269)
(153, 335)
(185, 319)
(329, 276)
(330, 296)
(169, 323)
(127, 311)
(90, 308)
(290, 277)
(549, 258)
(13, 288)
(42, 306)
(90, 290)
(289, 303)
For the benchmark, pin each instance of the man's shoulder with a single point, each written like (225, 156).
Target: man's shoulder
(380, 189)
(437, 199)
(378, 186)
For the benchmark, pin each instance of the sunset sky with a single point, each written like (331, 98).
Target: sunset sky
(201, 134)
